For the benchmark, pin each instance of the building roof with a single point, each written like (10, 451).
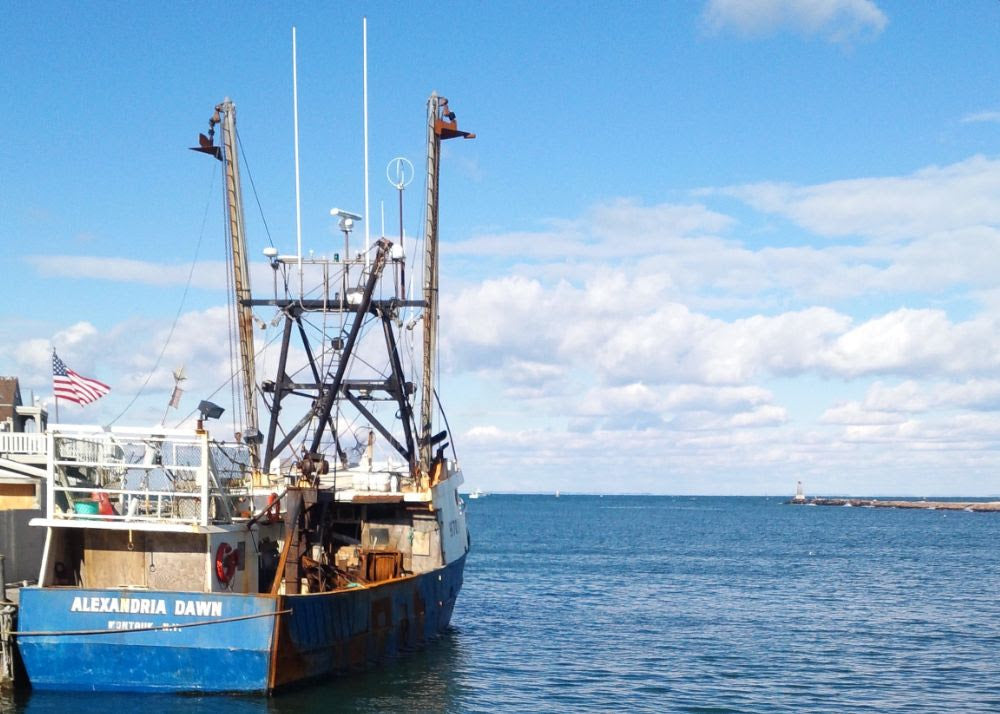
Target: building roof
(10, 397)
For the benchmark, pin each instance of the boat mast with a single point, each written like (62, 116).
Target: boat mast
(441, 125)
(225, 113)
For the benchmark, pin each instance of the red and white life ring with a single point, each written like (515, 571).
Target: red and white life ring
(226, 559)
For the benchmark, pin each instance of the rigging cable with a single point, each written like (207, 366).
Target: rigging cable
(227, 382)
(451, 434)
(253, 186)
(177, 317)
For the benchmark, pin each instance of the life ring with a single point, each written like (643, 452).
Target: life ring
(273, 509)
(225, 563)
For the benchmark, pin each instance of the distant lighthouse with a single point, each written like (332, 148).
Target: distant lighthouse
(799, 496)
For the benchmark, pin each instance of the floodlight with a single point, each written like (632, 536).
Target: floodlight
(209, 410)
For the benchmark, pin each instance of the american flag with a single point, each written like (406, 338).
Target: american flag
(68, 385)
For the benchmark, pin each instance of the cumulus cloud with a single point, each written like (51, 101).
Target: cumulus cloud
(929, 231)
(666, 336)
(854, 414)
(899, 457)
(928, 201)
(30, 359)
(616, 229)
(917, 342)
(630, 340)
(894, 403)
(836, 20)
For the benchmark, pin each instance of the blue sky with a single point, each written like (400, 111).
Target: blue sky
(701, 247)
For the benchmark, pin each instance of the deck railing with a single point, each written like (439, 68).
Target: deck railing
(16, 442)
(136, 475)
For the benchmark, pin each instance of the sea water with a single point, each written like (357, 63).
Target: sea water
(690, 604)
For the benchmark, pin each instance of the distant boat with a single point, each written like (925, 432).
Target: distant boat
(477, 494)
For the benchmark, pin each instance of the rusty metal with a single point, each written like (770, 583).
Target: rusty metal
(360, 627)
(382, 565)
(378, 498)
(207, 146)
(441, 126)
(445, 125)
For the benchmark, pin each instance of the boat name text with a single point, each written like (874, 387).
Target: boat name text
(145, 606)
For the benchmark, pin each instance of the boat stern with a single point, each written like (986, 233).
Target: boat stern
(127, 640)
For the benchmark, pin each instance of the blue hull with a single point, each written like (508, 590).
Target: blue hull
(338, 632)
(245, 645)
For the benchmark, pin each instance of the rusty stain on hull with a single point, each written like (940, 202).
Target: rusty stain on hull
(350, 629)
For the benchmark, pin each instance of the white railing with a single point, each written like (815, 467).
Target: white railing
(15, 442)
(136, 475)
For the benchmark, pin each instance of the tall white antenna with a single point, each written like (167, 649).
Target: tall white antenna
(298, 204)
(364, 32)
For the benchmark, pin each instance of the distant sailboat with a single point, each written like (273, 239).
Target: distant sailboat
(477, 494)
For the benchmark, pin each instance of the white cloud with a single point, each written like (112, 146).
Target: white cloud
(928, 201)
(933, 230)
(80, 346)
(621, 338)
(854, 414)
(836, 20)
(904, 339)
(768, 415)
(209, 275)
(984, 116)
(616, 229)
(890, 404)
(206, 274)
(667, 340)
(629, 400)
(917, 342)
(720, 399)
(895, 458)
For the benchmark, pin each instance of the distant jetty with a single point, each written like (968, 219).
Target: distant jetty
(983, 506)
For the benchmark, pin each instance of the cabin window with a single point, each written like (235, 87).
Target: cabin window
(378, 537)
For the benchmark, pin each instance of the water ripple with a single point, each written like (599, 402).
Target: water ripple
(658, 604)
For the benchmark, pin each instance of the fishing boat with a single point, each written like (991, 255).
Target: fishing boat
(325, 538)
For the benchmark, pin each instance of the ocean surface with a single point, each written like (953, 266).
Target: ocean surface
(687, 604)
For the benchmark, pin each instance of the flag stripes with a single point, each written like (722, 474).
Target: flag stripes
(70, 386)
